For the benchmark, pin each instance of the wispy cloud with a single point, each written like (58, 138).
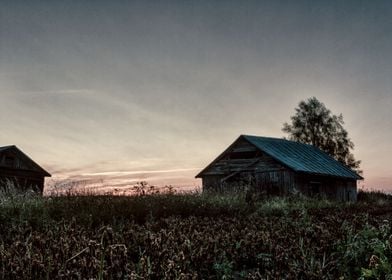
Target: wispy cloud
(120, 173)
(61, 91)
(124, 181)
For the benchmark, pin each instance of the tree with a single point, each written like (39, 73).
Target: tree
(314, 124)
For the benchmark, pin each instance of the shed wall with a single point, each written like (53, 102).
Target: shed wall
(334, 188)
(22, 179)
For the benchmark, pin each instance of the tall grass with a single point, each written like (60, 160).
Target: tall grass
(193, 236)
(96, 210)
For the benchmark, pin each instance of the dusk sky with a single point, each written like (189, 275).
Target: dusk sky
(123, 91)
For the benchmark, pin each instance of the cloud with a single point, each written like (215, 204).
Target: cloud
(122, 173)
(122, 182)
(62, 91)
(126, 83)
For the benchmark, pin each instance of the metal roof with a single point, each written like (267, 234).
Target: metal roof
(301, 157)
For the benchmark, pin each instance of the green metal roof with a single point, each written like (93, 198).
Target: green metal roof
(301, 157)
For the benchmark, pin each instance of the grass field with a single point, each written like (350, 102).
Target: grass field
(194, 236)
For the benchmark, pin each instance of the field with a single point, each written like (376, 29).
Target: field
(194, 236)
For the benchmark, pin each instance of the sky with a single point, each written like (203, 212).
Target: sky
(117, 92)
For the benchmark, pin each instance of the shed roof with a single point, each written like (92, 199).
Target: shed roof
(22, 155)
(5, 148)
(299, 157)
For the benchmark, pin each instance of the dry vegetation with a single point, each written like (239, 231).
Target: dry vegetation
(193, 236)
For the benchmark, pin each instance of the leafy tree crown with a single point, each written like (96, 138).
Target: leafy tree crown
(314, 124)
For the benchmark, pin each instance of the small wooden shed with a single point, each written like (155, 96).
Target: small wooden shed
(279, 166)
(21, 170)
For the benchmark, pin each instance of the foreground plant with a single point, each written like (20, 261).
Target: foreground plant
(198, 236)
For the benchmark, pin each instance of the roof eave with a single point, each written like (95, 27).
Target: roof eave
(358, 177)
(42, 172)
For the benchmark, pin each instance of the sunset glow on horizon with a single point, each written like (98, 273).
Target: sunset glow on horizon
(111, 93)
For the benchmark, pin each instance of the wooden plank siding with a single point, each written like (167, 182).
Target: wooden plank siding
(280, 182)
(23, 179)
(328, 187)
(255, 169)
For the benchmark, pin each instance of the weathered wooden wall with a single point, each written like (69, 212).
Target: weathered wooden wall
(280, 182)
(9, 159)
(329, 187)
(244, 165)
(242, 157)
(22, 179)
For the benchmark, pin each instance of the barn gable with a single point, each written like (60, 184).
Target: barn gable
(243, 163)
(238, 157)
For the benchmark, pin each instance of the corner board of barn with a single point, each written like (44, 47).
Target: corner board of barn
(279, 167)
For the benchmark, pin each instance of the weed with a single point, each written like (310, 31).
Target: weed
(192, 236)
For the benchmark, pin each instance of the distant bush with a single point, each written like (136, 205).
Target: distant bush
(374, 197)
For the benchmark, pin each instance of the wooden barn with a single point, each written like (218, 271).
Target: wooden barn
(278, 166)
(22, 171)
